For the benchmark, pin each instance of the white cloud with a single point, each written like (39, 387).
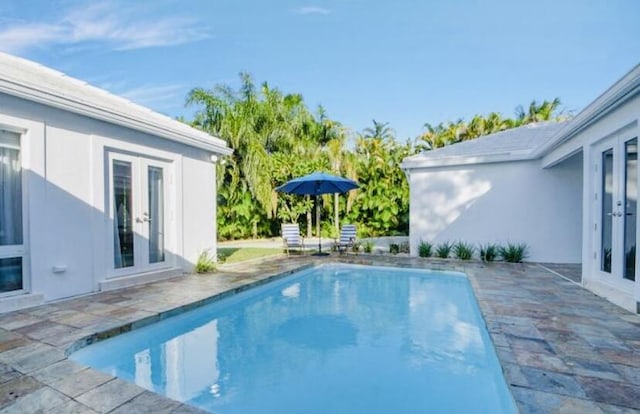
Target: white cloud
(23, 36)
(312, 10)
(119, 28)
(156, 96)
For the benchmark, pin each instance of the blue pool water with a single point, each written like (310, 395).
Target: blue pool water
(331, 339)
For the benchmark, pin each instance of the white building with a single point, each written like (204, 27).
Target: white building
(568, 190)
(96, 192)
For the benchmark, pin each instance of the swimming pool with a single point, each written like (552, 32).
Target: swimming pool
(330, 339)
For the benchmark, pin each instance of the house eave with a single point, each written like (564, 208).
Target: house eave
(196, 139)
(612, 98)
(466, 160)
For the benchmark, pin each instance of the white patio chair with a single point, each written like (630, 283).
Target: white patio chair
(291, 237)
(347, 238)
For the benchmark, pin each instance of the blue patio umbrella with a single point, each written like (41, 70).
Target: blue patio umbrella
(316, 184)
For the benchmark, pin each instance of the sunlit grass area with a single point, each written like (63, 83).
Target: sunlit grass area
(240, 254)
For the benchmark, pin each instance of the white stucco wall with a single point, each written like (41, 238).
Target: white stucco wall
(199, 206)
(66, 194)
(621, 123)
(501, 202)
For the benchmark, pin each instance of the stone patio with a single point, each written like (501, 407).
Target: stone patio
(562, 348)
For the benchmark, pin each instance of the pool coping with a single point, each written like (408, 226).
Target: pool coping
(35, 343)
(140, 323)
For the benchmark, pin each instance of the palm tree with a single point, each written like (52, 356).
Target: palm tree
(342, 163)
(380, 130)
(544, 111)
(442, 135)
(256, 123)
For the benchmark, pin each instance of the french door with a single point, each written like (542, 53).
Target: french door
(617, 200)
(138, 205)
(12, 246)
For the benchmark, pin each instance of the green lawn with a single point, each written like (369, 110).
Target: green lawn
(240, 254)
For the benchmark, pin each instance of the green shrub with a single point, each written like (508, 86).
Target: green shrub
(443, 250)
(425, 249)
(463, 251)
(489, 252)
(368, 246)
(514, 253)
(405, 247)
(222, 255)
(206, 263)
(394, 248)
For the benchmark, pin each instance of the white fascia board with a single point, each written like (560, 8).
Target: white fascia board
(623, 90)
(466, 160)
(561, 153)
(196, 139)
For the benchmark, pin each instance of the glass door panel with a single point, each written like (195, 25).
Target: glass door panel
(10, 191)
(630, 207)
(10, 274)
(11, 224)
(123, 232)
(139, 210)
(607, 217)
(617, 195)
(154, 216)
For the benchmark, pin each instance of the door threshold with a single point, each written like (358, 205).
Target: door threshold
(139, 278)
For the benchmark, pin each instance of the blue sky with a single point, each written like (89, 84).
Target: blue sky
(405, 62)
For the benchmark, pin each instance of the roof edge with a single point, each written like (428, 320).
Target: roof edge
(198, 139)
(466, 160)
(624, 89)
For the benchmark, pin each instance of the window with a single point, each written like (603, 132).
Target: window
(10, 212)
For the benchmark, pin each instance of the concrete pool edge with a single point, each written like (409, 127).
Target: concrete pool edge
(140, 323)
(544, 329)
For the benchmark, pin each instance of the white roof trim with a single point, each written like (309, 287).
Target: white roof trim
(616, 95)
(488, 148)
(408, 164)
(619, 93)
(156, 124)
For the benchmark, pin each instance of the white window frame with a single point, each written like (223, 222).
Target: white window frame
(614, 279)
(139, 164)
(18, 250)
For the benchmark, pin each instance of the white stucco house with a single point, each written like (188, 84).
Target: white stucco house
(569, 190)
(96, 192)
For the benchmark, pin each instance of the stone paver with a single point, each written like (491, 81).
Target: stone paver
(61, 370)
(562, 349)
(80, 382)
(31, 357)
(148, 402)
(40, 401)
(71, 407)
(109, 395)
(13, 390)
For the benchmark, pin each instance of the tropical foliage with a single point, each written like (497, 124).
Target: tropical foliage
(276, 137)
(514, 252)
(489, 252)
(453, 132)
(206, 263)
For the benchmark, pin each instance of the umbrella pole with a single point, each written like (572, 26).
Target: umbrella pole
(318, 226)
